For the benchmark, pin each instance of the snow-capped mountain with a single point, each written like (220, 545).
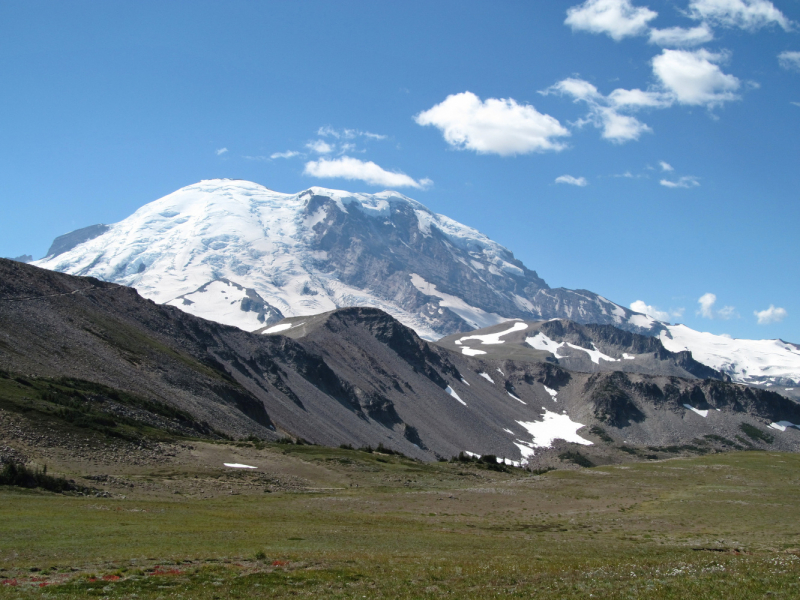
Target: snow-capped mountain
(765, 362)
(318, 250)
(238, 253)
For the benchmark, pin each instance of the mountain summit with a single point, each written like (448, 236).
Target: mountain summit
(238, 253)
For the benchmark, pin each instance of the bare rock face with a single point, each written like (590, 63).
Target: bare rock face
(65, 243)
(23, 258)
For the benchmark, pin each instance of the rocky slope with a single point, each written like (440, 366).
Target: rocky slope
(351, 376)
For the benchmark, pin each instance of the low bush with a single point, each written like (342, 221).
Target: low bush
(577, 458)
(754, 433)
(601, 433)
(17, 474)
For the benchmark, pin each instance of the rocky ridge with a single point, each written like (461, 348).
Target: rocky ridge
(352, 376)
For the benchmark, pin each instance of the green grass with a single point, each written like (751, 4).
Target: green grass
(755, 433)
(718, 526)
(76, 403)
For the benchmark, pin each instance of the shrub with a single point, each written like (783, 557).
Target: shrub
(542, 471)
(17, 474)
(755, 433)
(577, 458)
(601, 433)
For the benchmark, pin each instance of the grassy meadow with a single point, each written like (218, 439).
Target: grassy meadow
(379, 526)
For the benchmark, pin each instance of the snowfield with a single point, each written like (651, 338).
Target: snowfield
(746, 361)
(259, 239)
(553, 426)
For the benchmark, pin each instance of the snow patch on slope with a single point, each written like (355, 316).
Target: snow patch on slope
(595, 354)
(783, 425)
(227, 301)
(452, 392)
(493, 338)
(476, 317)
(702, 413)
(554, 427)
(541, 342)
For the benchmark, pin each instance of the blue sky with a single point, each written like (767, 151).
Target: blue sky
(647, 151)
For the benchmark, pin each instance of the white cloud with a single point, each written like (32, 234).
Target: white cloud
(706, 303)
(770, 315)
(637, 98)
(746, 14)
(221, 151)
(579, 89)
(686, 77)
(320, 147)
(569, 179)
(352, 168)
(678, 37)
(603, 111)
(687, 181)
(348, 134)
(665, 166)
(327, 130)
(495, 126)
(619, 128)
(617, 18)
(789, 60)
(651, 311)
(707, 311)
(261, 158)
(287, 154)
(694, 78)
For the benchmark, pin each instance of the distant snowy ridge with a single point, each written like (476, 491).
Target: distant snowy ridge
(769, 362)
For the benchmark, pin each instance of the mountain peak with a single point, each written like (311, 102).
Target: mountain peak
(318, 250)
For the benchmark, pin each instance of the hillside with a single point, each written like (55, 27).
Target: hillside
(357, 376)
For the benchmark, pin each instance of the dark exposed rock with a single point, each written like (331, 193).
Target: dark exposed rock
(612, 402)
(68, 241)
